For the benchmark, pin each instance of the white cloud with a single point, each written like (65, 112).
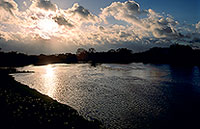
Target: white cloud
(160, 26)
(128, 11)
(24, 3)
(79, 14)
(198, 26)
(150, 21)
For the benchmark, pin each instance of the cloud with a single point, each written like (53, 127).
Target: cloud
(44, 27)
(80, 14)
(160, 26)
(195, 40)
(101, 28)
(124, 34)
(62, 21)
(198, 26)
(147, 20)
(164, 32)
(24, 3)
(9, 6)
(128, 11)
(44, 4)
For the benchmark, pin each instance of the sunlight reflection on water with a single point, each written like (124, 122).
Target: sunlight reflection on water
(116, 94)
(49, 80)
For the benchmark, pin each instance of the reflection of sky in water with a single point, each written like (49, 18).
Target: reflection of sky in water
(118, 95)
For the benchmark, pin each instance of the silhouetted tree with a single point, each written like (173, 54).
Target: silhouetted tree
(111, 51)
(175, 54)
(82, 54)
(124, 51)
(71, 58)
(92, 50)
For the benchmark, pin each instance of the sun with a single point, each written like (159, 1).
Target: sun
(47, 27)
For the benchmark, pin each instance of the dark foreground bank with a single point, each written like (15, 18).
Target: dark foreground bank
(22, 107)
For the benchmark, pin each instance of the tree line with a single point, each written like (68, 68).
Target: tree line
(175, 54)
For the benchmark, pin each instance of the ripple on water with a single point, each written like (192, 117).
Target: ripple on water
(121, 96)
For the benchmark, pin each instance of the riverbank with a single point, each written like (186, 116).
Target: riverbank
(22, 107)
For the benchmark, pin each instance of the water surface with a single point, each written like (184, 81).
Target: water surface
(122, 96)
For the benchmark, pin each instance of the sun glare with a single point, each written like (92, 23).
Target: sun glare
(49, 80)
(47, 25)
(49, 71)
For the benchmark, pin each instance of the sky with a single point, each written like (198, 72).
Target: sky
(60, 26)
(183, 10)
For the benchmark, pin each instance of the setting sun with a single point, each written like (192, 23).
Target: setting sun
(47, 26)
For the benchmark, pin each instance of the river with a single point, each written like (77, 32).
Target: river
(122, 96)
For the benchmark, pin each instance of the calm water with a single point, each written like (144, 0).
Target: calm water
(122, 96)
